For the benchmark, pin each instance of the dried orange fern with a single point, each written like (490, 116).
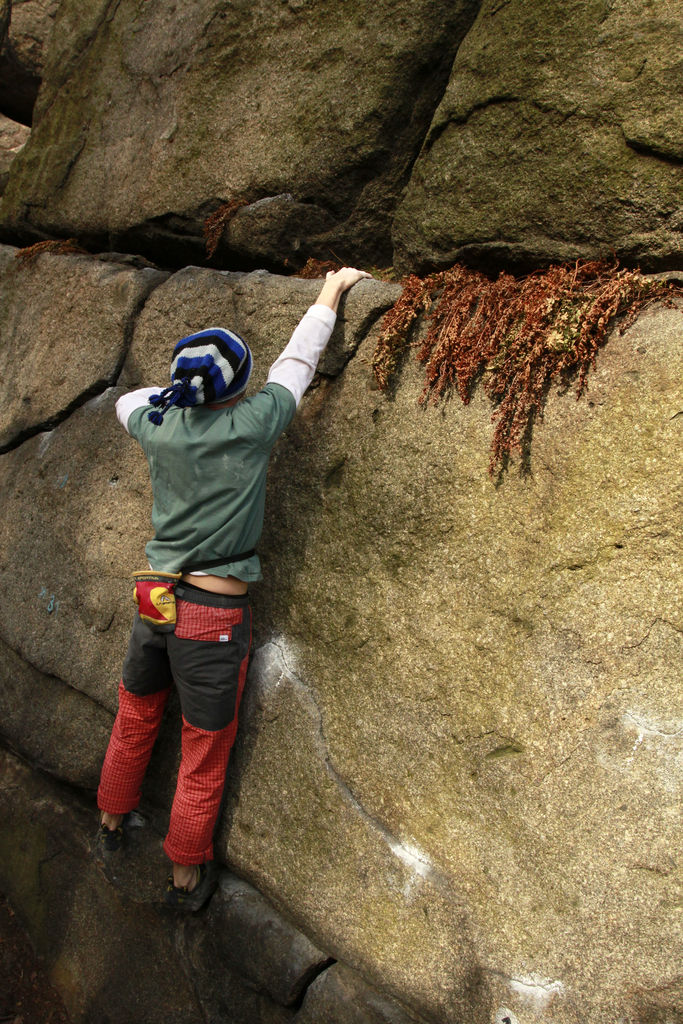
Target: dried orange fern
(216, 223)
(518, 336)
(397, 325)
(314, 269)
(58, 247)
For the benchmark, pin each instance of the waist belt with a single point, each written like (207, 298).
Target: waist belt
(211, 563)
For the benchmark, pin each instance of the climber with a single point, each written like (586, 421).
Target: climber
(207, 448)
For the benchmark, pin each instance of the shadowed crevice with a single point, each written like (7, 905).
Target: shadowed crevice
(665, 156)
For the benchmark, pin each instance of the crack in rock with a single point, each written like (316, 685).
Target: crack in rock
(640, 643)
(95, 392)
(648, 149)
(55, 679)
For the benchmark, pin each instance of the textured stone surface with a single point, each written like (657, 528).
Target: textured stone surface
(340, 996)
(546, 144)
(22, 58)
(487, 687)
(459, 765)
(558, 137)
(278, 228)
(402, 923)
(251, 965)
(5, 12)
(225, 102)
(111, 960)
(263, 308)
(12, 137)
(55, 727)
(65, 323)
(75, 508)
(273, 955)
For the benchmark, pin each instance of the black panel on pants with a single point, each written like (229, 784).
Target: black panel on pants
(206, 672)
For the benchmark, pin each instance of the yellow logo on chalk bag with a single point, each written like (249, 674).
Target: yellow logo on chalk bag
(163, 602)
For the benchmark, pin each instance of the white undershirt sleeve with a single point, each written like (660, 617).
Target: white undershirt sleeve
(295, 366)
(127, 404)
(293, 369)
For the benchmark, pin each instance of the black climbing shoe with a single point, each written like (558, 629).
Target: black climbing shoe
(179, 898)
(109, 842)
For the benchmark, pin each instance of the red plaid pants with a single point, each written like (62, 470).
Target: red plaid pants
(210, 673)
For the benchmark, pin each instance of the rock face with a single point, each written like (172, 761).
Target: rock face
(226, 103)
(456, 789)
(13, 137)
(22, 58)
(530, 637)
(51, 301)
(5, 12)
(140, 963)
(559, 137)
(460, 748)
(546, 143)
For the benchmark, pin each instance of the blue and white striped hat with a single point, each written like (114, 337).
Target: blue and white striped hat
(211, 366)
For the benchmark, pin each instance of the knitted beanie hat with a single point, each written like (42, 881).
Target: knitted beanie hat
(211, 366)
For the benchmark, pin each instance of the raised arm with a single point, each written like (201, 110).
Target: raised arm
(338, 282)
(295, 367)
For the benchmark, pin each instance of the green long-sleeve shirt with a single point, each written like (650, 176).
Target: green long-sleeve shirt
(208, 473)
